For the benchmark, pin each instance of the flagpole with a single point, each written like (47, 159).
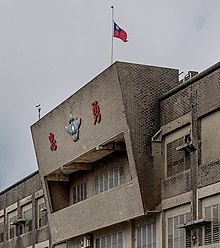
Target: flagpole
(112, 7)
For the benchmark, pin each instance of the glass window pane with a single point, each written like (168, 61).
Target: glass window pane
(101, 180)
(121, 175)
(12, 217)
(110, 179)
(146, 236)
(177, 236)
(110, 241)
(106, 181)
(115, 175)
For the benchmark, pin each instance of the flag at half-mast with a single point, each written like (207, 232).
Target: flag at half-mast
(120, 33)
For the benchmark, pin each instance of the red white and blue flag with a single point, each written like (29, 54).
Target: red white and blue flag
(120, 33)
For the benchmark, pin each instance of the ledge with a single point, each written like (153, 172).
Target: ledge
(195, 224)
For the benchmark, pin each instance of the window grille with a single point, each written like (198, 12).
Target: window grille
(212, 232)
(179, 237)
(110, 241)
(146, 236)
(109, 179)
(177, 160)
(79, 192)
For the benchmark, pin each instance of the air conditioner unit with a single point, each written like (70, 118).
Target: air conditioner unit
(85, 242)
(190, 75)
(187, 144)
(18, 222)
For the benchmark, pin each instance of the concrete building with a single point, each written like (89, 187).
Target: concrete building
(132, 160)
(187, 145)
(23, 216)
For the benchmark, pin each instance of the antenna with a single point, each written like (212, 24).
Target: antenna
(39, 109)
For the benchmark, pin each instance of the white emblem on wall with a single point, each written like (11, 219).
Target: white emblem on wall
(73, 127)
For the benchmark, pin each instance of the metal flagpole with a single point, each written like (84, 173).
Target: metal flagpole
(112, 7)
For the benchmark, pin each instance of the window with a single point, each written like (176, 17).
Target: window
(179, 237)
(109, 179)
(211, 231)
(79, 192)
(12, 217)
(1, 229)
(110, 241)
(75, 244)
(27, 215)
(210, 132)
(41, 213)
(146, 236)
(178, 159)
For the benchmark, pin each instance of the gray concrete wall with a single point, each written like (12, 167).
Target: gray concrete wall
(28, 190)
(200, 97)
(61, 193)
(20, 190)
(102, 210)
(141, 88)
(106, 90)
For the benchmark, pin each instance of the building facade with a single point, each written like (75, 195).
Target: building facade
(188, 147)
(132, 160)
(23, 216)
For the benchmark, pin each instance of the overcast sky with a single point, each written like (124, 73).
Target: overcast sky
(51, 48)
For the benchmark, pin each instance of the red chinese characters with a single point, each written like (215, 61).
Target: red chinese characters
(96, 112)
(53, 142)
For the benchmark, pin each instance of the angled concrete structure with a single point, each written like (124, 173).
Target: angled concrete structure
(117, 148)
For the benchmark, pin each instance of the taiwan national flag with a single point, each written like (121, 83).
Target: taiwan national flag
(120, 33)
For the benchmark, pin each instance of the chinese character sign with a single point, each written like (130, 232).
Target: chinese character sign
(96, 112)
(53, 142)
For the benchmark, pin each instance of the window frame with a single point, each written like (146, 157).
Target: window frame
(178, 160)
(74, 244)
(145, 230)
(28, 225)
(172, 137)
(210, 202)
(11, 217)
(2, 223)
(181, 235)
(110, 179)
(79, 192)
(112, 237)
(174, 212)
(41, 212)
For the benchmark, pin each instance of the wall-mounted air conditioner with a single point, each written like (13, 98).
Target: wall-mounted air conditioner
(187, 144)
(190, 75)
